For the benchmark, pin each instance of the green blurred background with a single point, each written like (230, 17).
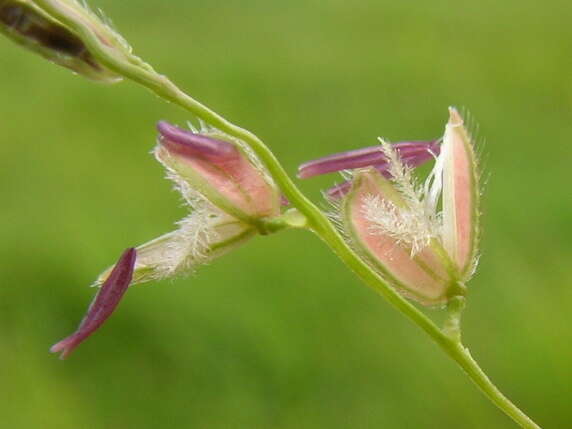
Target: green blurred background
(279, 334)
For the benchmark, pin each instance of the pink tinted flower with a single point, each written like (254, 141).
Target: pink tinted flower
(397, 241)
(221, 169)
(420, 238)
(228, 193)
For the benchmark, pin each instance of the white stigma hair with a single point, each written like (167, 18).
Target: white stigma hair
(415, 223)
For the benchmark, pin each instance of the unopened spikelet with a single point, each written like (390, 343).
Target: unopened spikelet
(30, 26)
(97, 22)
(221, 169)
(226, 190)
(228, 194)
(203, 235)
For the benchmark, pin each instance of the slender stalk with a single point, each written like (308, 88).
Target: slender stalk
(462, 356)
(136, 70)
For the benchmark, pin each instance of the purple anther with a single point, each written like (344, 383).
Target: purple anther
(103, 305)
(186, 143)
(411, 159)
(363, 158)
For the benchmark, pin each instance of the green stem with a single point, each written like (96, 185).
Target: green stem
(313, 218)
(452, 326)
(462, 356)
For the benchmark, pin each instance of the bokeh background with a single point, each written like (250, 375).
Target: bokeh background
(279, 334)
